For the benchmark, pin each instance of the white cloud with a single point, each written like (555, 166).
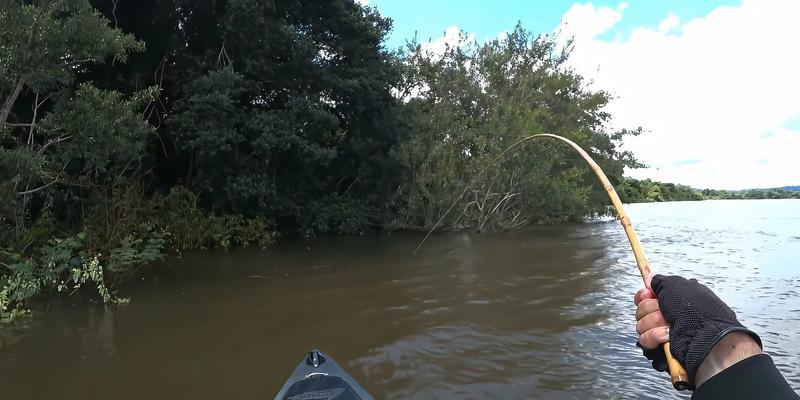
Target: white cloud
(585, 21)
(363, 2)
(718, 90)
(667, 24)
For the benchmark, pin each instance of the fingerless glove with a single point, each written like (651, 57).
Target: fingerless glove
(697, 318)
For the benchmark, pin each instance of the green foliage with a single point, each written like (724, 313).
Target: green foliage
(101, 132)
(17, 166)
(755, 194)
(70, 136)
(140, 232)
(279, 114)
(641, 191)
(474, 101)
(63, 265)
(338, 214)
(295, 108)
(46, 43)
(189, 227)
(134, 251)
(64, 148)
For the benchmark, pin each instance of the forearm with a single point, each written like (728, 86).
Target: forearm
(755, 377)
(722, 357)
(731, 349)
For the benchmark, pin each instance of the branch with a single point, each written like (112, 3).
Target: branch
(114, 13)
(76, 62)
(18, 125)
(33, 121)
(222, 58)
(55, 180)
(43, 100)
(351, 185)
(54, 141)
(123, 171)
(504, 200)
(40, 188)
(464, 212)
(11, 100)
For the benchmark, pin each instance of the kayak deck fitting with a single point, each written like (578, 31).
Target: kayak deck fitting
(318, 377)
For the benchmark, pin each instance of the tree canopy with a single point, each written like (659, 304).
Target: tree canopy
(471, 103)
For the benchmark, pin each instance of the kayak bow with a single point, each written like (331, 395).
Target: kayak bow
(318, 377)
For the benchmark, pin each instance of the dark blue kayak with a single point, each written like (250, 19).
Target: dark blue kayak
(318, 377)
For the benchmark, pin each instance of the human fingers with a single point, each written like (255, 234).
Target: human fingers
(654, 337)
(650, 321)
(645, 307)
(643, 293)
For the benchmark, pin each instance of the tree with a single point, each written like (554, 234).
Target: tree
(64, 147)
(475, 100)
(56, 134)
(280, 109)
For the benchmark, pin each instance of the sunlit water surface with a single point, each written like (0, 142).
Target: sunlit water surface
(542, 313)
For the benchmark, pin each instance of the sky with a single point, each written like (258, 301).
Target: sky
(714, 83)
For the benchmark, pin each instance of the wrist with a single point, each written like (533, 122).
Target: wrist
(734, 347)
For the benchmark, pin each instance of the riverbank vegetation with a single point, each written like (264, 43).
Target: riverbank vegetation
(642, 191)
(130, 129)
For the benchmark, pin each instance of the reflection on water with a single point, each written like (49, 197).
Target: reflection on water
(534, 314)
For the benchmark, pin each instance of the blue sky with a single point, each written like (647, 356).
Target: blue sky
(714, 83)
(428, 19)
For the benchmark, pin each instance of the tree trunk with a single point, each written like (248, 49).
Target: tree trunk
(11, 100)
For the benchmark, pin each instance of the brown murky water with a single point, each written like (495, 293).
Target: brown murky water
(543, 313)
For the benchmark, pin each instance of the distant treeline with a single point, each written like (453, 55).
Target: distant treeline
(641, 191)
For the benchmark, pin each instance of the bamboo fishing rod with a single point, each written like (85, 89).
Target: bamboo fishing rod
(678, 375)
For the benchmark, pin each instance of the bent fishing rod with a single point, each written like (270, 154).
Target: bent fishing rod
(678, 375)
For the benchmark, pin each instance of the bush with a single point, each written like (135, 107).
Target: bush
(65, 266)
(189, 227)
(338, 214)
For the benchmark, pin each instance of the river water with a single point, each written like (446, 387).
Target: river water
(540, 313)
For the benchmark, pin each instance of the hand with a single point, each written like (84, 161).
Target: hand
(652, 327)
(704, 333)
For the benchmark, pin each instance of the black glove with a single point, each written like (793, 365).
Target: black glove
(697, 318)
(657, 356)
